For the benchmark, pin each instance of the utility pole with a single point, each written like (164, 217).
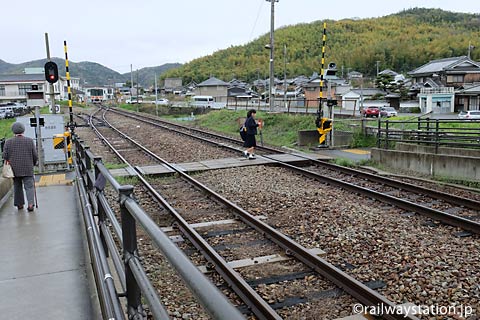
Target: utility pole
(156, 95)
(138, 93)
(285, 87)
(131, 83)
(272, 74)
(470, 47)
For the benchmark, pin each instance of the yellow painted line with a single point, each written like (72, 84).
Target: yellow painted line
(357, 151)
(55, 179)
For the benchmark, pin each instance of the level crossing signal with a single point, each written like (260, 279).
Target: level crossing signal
(51, 72)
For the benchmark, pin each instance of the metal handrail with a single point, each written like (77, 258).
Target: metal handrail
(109, 302)
(136, 279)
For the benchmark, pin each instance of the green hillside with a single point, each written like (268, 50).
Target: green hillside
(400, 42)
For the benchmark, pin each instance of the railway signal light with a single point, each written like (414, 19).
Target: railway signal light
(51, 72)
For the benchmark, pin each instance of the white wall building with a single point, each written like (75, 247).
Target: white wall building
(61, 88)
(14, 88)
(437, 100)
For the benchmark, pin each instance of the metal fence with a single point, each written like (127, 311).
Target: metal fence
(100, 219)
(431, 132)
(298, 105)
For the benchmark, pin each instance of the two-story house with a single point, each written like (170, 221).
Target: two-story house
(14, 88)
(457, 73)
(213, 87)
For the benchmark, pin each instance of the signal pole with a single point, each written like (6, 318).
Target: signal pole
(272, 74)
(52, 93)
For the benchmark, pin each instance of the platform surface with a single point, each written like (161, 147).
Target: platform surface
(42, 265)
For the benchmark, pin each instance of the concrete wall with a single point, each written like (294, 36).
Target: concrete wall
(459, 167)
(5, 188)
(400, 146)
(310, 138)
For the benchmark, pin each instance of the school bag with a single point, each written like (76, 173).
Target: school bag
(243, 132)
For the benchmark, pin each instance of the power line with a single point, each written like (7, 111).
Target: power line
(256, 20)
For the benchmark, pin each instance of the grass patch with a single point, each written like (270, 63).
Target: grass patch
(467, 183)
(361, 140)
(344, 162)
(110, 166)
(280, 129)
(130, 107)
(6, 128)
(127, 180)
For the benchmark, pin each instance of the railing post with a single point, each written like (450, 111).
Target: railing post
(437, 137)
(386, 134)
(129, 233)
(379, 129)
(102, 216)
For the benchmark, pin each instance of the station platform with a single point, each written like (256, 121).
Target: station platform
(43, 265)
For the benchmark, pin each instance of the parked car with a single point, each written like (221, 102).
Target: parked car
(472, 114)
(163, 102)
(7, 112)
(388, 112)
(134, 99)
(370, 112)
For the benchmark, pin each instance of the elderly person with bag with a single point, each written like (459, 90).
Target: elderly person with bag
(21, 154)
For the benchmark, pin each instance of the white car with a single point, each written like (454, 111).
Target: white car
(163, 102)
(388, 112)
(472, 114)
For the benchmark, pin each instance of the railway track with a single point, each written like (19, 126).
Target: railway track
(249, 234)
(439, 206)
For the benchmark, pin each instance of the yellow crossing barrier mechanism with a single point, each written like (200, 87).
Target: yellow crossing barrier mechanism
(64, 141)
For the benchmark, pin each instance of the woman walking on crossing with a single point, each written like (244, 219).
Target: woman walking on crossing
(250, 141)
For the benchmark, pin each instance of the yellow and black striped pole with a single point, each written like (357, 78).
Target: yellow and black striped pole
(322, 71)
(71, 124)
(324, 125)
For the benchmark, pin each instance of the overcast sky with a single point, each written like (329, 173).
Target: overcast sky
(117, 33)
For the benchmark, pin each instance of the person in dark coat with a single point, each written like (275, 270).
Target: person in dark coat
(250, 142)
(21, 153)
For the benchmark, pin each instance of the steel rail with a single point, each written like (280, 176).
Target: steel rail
(442, 216)
(249, 296)
(464, 202)
(154, 121)
(211, 298)
(350, 285)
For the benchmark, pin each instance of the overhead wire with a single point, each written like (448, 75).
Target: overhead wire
(262, 3)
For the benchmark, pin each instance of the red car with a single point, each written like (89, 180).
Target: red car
(370, 112)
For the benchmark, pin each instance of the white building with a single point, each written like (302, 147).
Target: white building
(61, 89)
(14, 88)
(437, 100)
